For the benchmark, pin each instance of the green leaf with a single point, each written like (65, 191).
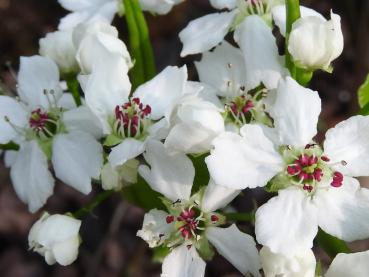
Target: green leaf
(363, 93)
(140, 194)
(364, 110)
(331, 245)
(202, 174)
(9, 146)
(159, 253)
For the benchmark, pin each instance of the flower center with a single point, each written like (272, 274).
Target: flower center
(43, 124)
(308, 168)
(131, 119)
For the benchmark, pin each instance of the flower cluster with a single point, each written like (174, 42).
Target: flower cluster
(250, 120)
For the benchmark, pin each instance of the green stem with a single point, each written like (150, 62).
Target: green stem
(9, 146)
(292, 14)
(138, 71)
(331, 245)
(73, 87)
(101, 197)
(250, 217)
(146, 47)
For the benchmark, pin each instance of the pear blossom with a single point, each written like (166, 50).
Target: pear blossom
(190, 225)
(56, 238)
(353, 264)
(315, 185)
(302, 264)
(85, 11)
(48, 127)
(59, 47)
(315, 42)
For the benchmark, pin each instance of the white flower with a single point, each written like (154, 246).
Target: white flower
(204, 33)
(300, 265)
(314, 42)
(59, 47)
(344, 265)
(45, 126)
(56, 238)
(314, 186)
(118, 177)
(87, 11)
(190, 223)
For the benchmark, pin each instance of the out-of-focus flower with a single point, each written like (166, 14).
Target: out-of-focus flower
(59, 47)
(314, 185)
(56, 238)
(354, 264)
(314, 42)
(190, 225)
(48, 127)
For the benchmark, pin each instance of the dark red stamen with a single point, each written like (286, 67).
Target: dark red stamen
(38, 120)
(214, 218)
(337, 179)
(169, 219)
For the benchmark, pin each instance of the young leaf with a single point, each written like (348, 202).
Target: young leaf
(363, 93)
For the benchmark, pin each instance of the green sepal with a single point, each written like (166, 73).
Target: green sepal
(9, 146)
(280, 181)
(363, 93)
(112, 140)
(159, 253)
(206, 251)
(46, 147)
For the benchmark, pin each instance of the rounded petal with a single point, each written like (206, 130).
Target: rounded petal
(348, 141)
(82, 119)
(244, 161)
(183, 261)
(158, 6)
(217, 197)
(77, 158)
(155, 229)
(204, 33)
(66, 252)
(295, 112)
(164, 91)
(237, 247)
(260, 52)
(344, 211)
(128, 149)
(11, 113)
(36, 75)
(287, 223)
(223, 69)
(171, 174)
(300, 265)
(30, 175)
(279, 16)
(224, 4)
(10, 157)
(344, 265)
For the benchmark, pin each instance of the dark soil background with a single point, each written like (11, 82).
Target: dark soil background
(110, 246)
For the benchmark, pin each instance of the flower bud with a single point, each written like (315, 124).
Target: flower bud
(59, 47)
(56, 238)
(314, 43)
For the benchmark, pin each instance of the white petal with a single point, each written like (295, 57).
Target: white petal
(223, 69)
(237, 247)
(66, 252)
(128, 149)
(344, 211)
(37, 74)
(300, 265)
(155, 229)
(171, 174)
(30, 175)
(349, 141)
(164, 91)
(15, 113)
(158, 6)
(244, 161)
(204, 33)
(287, 223)
(263, 63)
(279, 16)
(217, 197)
(345, 265)
(10, 157)
(77, 158)
(82, 119)
(295, 112)
(224, 4)
(183, 262)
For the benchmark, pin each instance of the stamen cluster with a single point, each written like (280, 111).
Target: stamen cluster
(131, 118)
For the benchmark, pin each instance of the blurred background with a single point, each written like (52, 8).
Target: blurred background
(110, 246)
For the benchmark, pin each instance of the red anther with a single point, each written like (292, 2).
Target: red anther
(185, 232)
(187, 214)
(136, 100)
(303, 176)
(169, 219)
(248, 106)
(234, 108)
(304, 160)
(318, 174)
(325, 158)
(133, 130)
(337, 179)
(146, 110)
(308, 188)
(292, 170)
(214, 218)
(38, 120)
(312, 160)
